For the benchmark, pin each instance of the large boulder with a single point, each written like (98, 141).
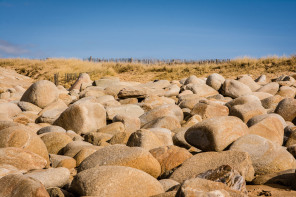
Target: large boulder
(202, 162)
(247, 80)
(215, 134)
(23, 137)
(21, 159)
(271, 88)
(215, 80)
(41, 93)
(18, 185)
(235, 89)
(208, 109)
(112, 181)
(83, 117)
(121, 155)
(52, 177)
(163, 110)
(267, 157)
(287, 109)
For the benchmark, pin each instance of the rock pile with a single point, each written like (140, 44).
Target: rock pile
(193, 137)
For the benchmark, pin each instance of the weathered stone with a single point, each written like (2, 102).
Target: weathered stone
(267, 157)
(164, 135)
(286, 91)
(203, 162)
(84, 153)
(83, 78)
(170, 157)
(127, 101)
(111, 181)
(131, 124)
(215, 134)
(58, 192)
(153, 101)
(120, 138)
(235, 89)
(203, 90)
(164, 110)
(271, 102)
(261, 79)
(55, 141)
(21, 159)
(121, 155)
(133, 92)
(18, 185)
(247, 80)
(51, 112)
(226, 175)
(52, 177)
(129, 110)
(25, 117)
(172, 90)
(10, 109)
(193, 120)
(208, 109)
(190, 102)
(179, 138)
(22, 137)
(168, 184)
(215, 80)
(74, 147)
(270, 128)
(287, 109)
(62, 161)
(271, 88)
(97, 138)
(286, 178)
(193, 80)
(41, 93)
(106, 82)
(83, 117)
(51, 128)
(112, 128)
(168, 122)
(92, 91)
(26, 106)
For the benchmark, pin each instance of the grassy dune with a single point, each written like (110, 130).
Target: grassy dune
(45, 69)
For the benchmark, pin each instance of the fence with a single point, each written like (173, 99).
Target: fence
(157, 61)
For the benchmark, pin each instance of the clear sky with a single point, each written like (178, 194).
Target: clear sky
(186, 29)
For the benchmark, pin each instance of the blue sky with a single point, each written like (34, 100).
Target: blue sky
(186, 29)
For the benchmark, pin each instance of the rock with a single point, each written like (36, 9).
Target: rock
(291, 139)
(83, 117)
(190, 102)
(19, 185)
(153, 101)
(287, 109)
(179, 138)
(51, 112)
(97, 139)
(121, 155)
(74, 147)
(62, 161)
(25, 117)
(271, 102)
(131, 124)
(168, 122)
(172, 90)
(261, 79)
(247, 80)
(55, 141)
(120, 138)
(10, 109)
(235, 89)
(203, 90)
(115, 181)
(226, 175)
(26, 106)
(215, 80)
(6, 124)
(202, 162)
(84, 153)
(168, 184)
(261, 95)
(193, 120)
(133, 92)
(267, 157)
(286, 178)
(207, 109)
(41, 93)
(130, 110)
(106, 82)
(23, 137)
(216, 134)
(112, 128)
(287, 92)
(92, 92)
(83, 78)
(193, 80)
(20, 159)
(164, 110)
(271, 88)
(127, 101)
(202, 187)
(52, 177)
(51, 128)
(57, 192)
(170, 157)
(66, 98)
(270, 128)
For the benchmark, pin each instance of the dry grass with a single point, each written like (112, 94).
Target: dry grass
(45, 69)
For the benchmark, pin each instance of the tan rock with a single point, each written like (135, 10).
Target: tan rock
(203, 90)
(203, 162)
(286, 91)
(287, 109)
(215, 80)
(130, 110)
(26, 106)
(235, 89)
(113, 128)
(41, 93)
(207, 109)
(83, 117)
(10, 109)
(271, 88)
(83, 78)
(84, 153)
(19, 185)
(168, 122)
(247, 80)
(153, 101)
(216, 134)
(115, 181)
(121, 155)
(131, 124)
(55, 141)
(62, 161)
